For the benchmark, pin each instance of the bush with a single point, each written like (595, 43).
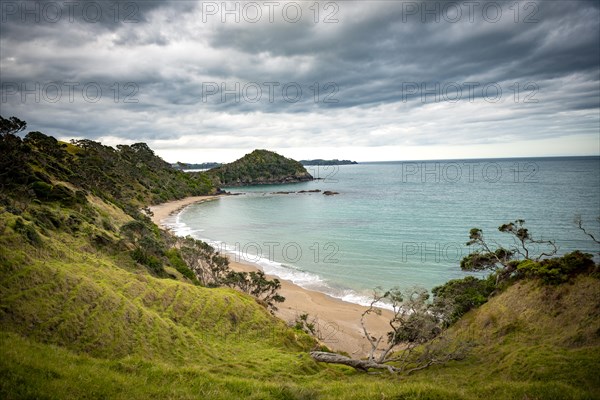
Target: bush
(456, 297)
(559, 269)
(46, 218)
(66, 196)
(148, 260)
(42, 190)
(28, 231)
(177, 262)
(73, 223)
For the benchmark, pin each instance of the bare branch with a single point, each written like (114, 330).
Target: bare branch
(413, 326)
(579, 223)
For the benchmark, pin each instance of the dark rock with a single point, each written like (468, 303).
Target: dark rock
(310, 191)
(329, 193)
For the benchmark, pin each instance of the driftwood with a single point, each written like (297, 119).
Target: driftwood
(360, 365)
(413, 327)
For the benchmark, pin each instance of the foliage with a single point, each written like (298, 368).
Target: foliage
(501, 260)
(177, 262)
(28, 231)
(148, 249)
(206, 165)
(149, 260)
(209, 267)
(558, 269)
(458, 296)
(212, 269)
(129, 176)
(256, 284)
(11, 126)
(47, 192)
(305, 324)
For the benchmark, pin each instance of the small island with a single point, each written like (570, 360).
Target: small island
(259, 168)
(320, 161)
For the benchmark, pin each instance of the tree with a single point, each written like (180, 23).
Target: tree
(501, 260)
(212, 269)
(257, 285)
(148, 249)
(11, 126)
(415, 341)
(209, 266)
(15, 170)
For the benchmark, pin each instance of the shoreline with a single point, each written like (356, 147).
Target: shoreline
(338, 321)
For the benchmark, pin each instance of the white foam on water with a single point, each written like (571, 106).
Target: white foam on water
(304, 279)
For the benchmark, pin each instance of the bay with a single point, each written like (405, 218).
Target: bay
(397, 223)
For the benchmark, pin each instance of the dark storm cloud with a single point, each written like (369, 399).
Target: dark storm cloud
(20, 16)
(371, 56)
(370, 67)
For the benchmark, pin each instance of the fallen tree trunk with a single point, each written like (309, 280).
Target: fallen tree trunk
(360, 365)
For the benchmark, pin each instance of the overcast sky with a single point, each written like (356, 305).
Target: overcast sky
(366, 80)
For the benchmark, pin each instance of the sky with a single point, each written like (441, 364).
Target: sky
(203, 81)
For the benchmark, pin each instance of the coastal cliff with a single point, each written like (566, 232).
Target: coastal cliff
(258, 168)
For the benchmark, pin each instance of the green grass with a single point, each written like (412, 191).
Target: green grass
(82, 322)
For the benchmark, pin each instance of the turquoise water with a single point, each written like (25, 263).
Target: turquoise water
(398, 223)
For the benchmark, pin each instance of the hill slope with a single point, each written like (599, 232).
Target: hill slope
(129, 176)
(95, 302)
(541, 341)
(87, 328)
(260, 167)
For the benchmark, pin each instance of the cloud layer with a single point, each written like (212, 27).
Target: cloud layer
(206, 80)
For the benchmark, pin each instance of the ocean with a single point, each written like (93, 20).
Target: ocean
(398, 224)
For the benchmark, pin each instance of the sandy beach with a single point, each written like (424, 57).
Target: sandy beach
(338, 321)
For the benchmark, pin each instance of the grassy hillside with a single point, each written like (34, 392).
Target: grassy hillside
(541, 341)
(96, 326)
(98, 317)
(260, 167)
(96, 302)
(82, 320)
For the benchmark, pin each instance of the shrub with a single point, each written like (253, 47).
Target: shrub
(177, 262)
(66, 196)
(148, 260)
(42, 190)
(46, 218)
(27, 231)
(456, 297)
(558, 269)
